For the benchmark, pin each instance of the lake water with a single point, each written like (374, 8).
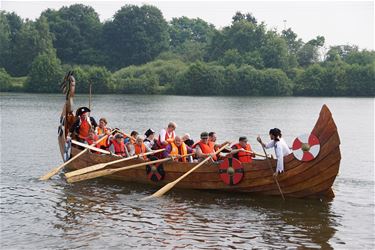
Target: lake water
(100, 214)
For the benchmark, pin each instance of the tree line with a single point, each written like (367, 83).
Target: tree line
(139, 52)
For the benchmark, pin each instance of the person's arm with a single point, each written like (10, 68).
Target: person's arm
(271, 144)
(162, 137)
(167, 151)
(111, 149)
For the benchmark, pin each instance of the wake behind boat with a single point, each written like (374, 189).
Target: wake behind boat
(307, 173)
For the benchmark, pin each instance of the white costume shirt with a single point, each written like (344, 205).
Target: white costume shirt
(281, 150)
(163, 132)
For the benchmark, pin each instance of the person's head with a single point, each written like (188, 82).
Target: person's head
(119, 137)
(150, 133)
(186, 137)
(91, 133)
(84, 115)
(102, 122)
(204, 137)
(275, 134)
(242, 141)
(82, 112)
(177, 141)
(212, 136)
(139, 140)
(171, 126)
(134, 134)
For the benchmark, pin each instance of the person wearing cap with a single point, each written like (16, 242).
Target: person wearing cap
(83, 124)
(149, 141)
(178, 148)
(117, 145)
(167, 135)
(280, 146)
(242, 150)
(204, 149)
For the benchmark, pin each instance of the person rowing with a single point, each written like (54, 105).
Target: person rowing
(242, 150)
(167, 135)
(178, 148)
(205, 149)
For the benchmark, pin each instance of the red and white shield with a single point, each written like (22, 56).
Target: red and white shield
(306, 147)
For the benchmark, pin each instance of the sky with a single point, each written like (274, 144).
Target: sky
(340, 22)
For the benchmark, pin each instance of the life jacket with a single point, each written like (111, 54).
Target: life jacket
(92, 141)
(84, 128)
(168, 138)
(207, 149)
(100, 131)
(140, 149)
(182, 150)
(119, 148)
(243, 156)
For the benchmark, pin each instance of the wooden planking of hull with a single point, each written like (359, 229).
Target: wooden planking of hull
(300, 179)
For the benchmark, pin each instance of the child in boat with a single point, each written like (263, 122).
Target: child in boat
(280, 146)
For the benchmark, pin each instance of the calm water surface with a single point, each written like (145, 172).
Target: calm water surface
(99, 214)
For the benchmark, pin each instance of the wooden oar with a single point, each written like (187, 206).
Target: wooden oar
(269, 164)
(56, 170)
(105, 172)
(103, 165)
(170, 185)
(91, 147)
(251, 152)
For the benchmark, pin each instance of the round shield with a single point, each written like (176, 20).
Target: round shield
(306, 147)
(155, 172)
(231, 171)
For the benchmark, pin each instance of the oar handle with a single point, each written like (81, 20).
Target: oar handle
(252, 152)
(270, 165)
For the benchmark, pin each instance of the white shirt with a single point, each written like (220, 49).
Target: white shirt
(163, 132)
(281, 150)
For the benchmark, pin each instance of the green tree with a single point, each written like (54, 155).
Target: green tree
(309, 82)
(135, 36)
(45, 73)
(360, 80)
(5, 80)
(77, 31)
(5, 40)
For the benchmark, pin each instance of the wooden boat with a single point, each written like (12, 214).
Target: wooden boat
(300, 179)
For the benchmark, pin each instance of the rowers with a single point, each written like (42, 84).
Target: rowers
(178, 148)
(167, 135)
(117, 145)
(242, 150)
(205, 149)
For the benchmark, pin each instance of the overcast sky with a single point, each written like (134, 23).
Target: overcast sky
(340, 22)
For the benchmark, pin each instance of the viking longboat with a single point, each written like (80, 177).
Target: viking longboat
(311, 177)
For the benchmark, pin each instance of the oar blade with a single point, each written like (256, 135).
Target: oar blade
(90, 175)
(50, 174)
(161, 191)
(86, 170)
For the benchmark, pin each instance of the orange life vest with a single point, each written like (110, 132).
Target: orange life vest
(119, 148)
(91, 141)
(243, 156)
(181, 150)
(207, 149)
(140, 149)
(84, 129)
(100, 131)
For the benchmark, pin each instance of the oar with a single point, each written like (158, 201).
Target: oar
(170, 185)
(103, 165)
(269, 164)
(91, 147)
(105, 172)
(251, 152)
(56, 170)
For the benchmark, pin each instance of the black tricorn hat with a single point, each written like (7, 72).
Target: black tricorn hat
(82, 110)
(149, 132)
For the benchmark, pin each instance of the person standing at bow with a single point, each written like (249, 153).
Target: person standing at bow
(83, 124)
(167, 135)
(280, 146)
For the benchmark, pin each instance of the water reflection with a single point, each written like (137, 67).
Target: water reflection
(188, 218)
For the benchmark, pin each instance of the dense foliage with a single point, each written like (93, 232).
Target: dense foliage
(139, 52)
